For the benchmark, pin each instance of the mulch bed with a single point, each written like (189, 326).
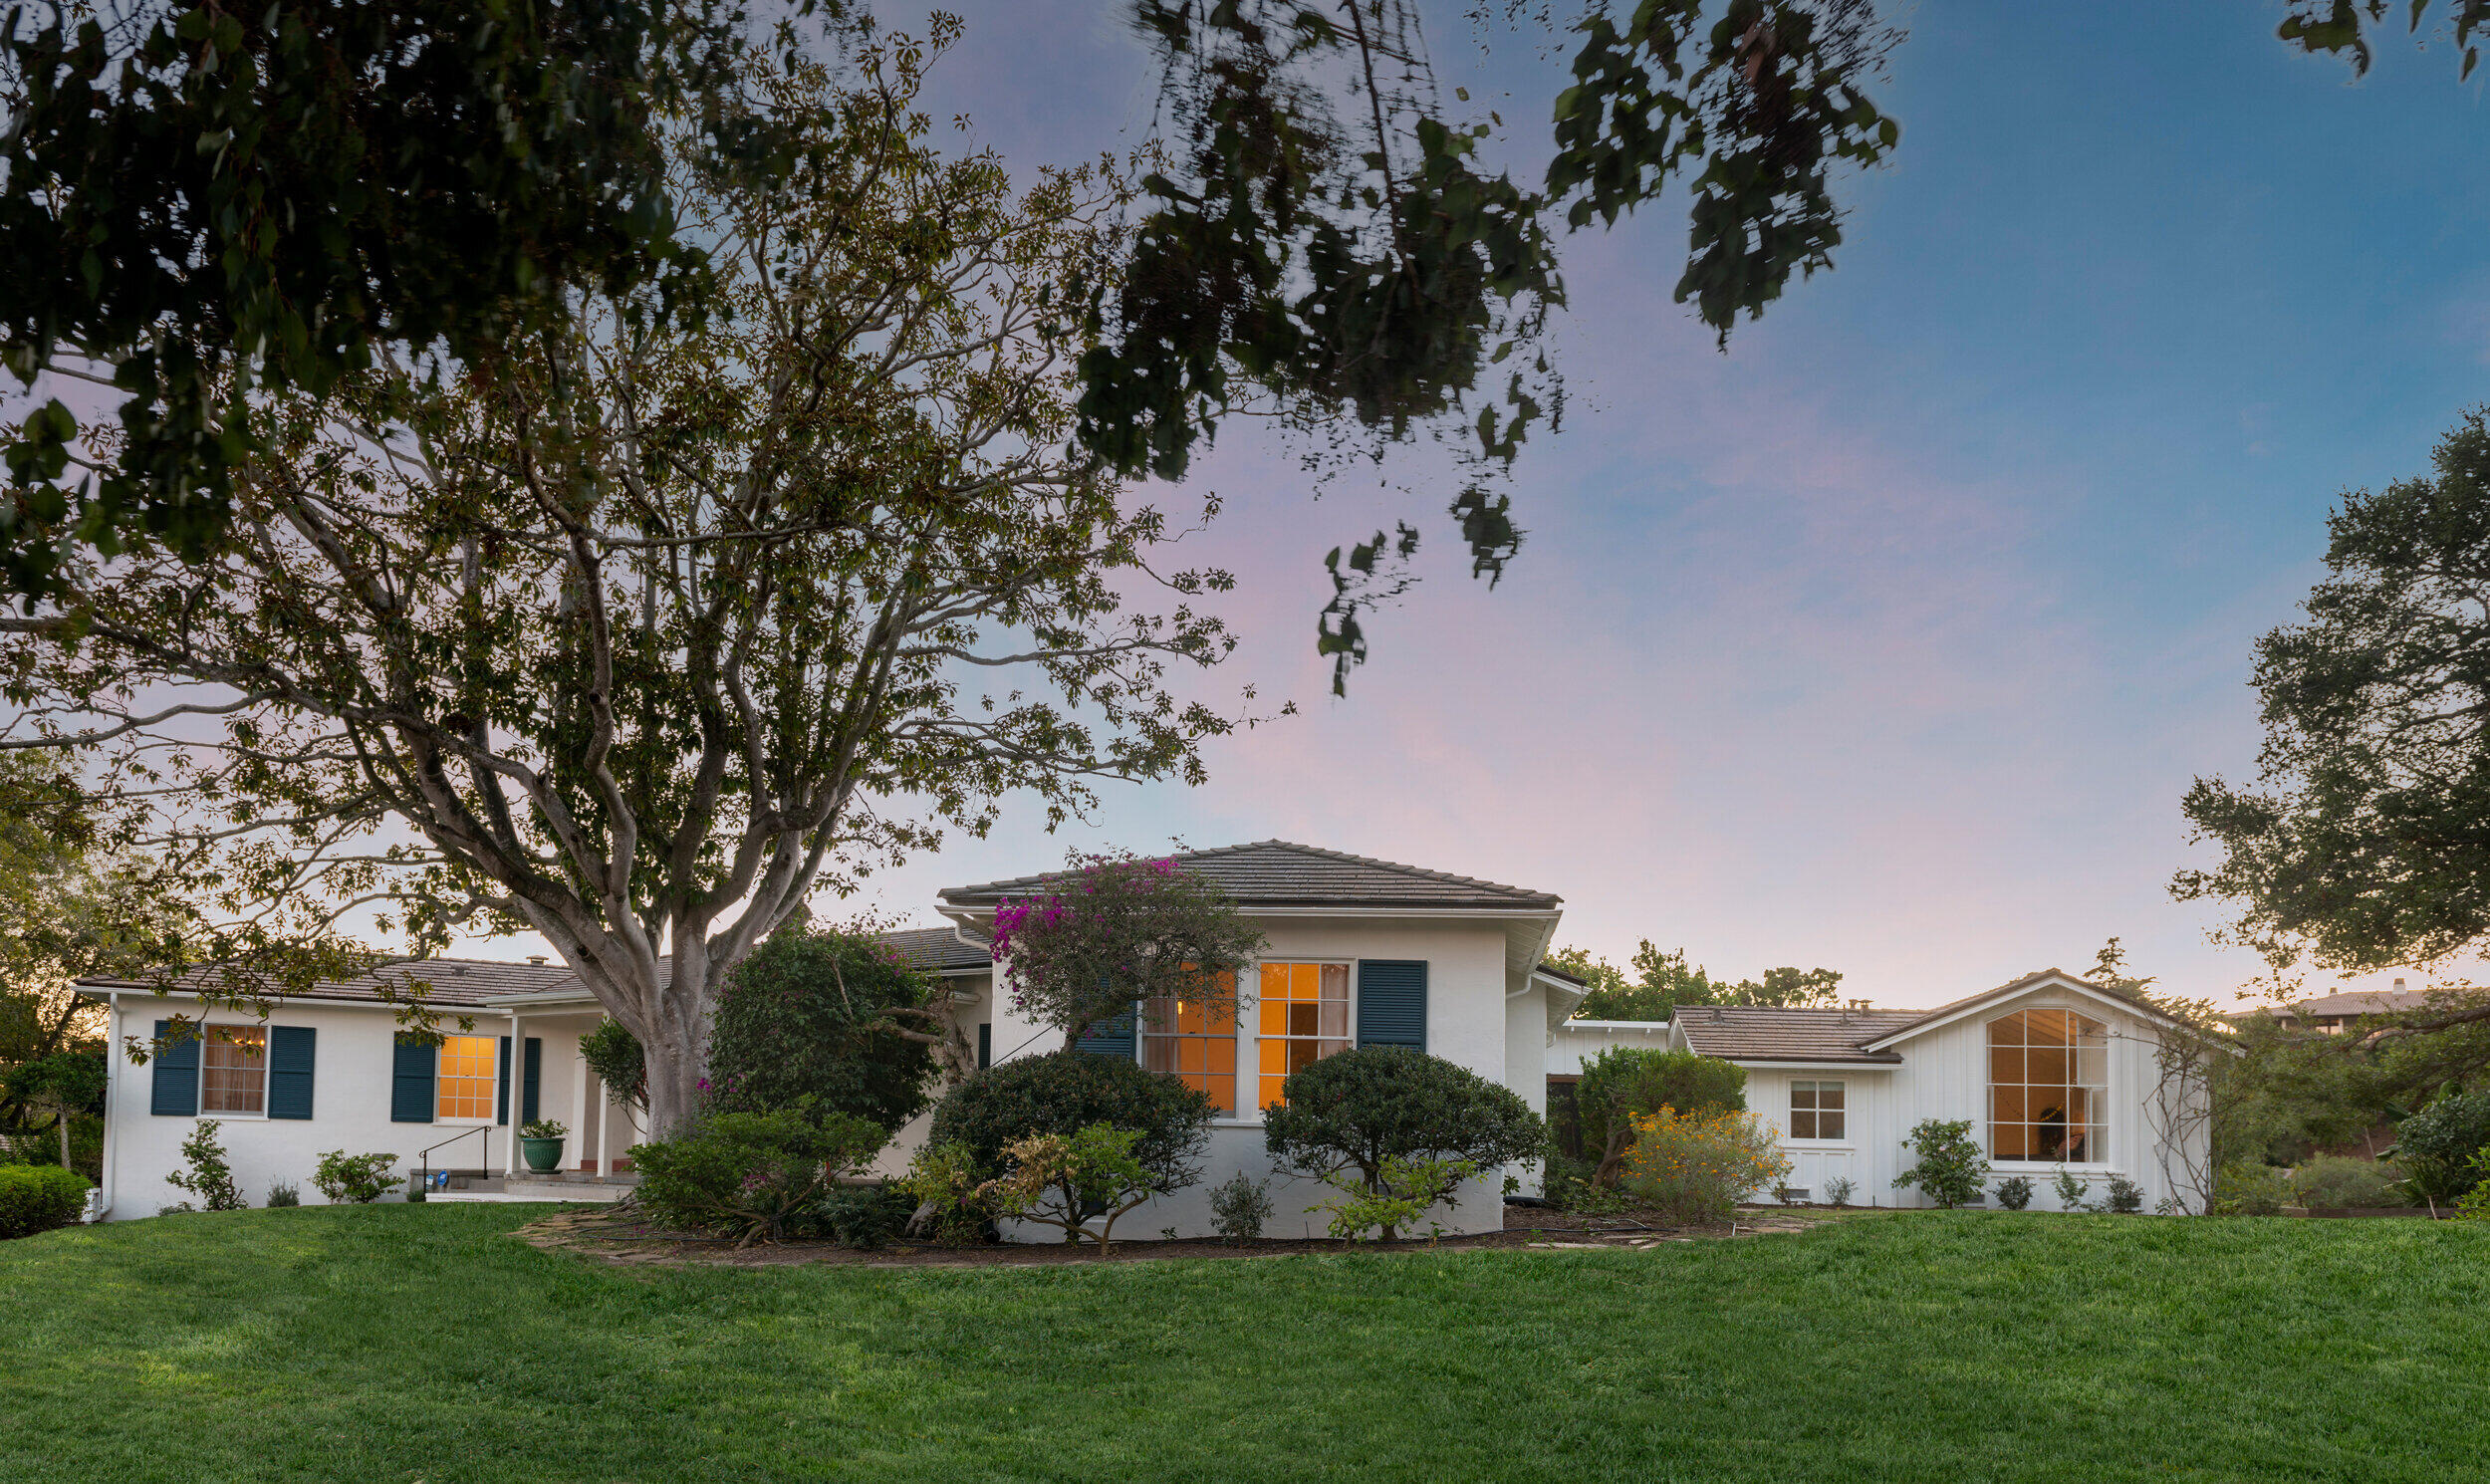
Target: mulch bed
(625, 1236)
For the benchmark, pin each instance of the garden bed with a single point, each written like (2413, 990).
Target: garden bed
(627, 1235)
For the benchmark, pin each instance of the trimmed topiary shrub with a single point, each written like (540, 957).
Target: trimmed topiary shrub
(1362, 1107)
(1064, 1091)
(1627, 1083)
(39, 1198)
(2015, 1193)
(865, 1217)
(757, 1178)
(825, 1019)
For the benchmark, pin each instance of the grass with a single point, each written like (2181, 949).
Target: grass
(401, 1342)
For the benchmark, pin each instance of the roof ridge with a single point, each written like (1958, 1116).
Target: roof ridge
(1356, 859)
(1319, 853)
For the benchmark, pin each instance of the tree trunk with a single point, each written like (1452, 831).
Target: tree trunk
(63, 1116)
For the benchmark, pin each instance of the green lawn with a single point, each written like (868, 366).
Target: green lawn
(395, 1343)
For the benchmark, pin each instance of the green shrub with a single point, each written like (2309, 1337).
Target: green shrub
(1357, 1109)
(1694, 1169)
(1411, 1187)
(2474, 1204)
(39, 1197)
(284, 1193)
(1239, 1208)
(2125, 1197)
(207, 1175)
(1838, 1191)
(945, 1180)
(818, 1015)
(1069, 1180)
(2335, 1182)
(1064, 1091)
(754, 1176)
(865, 1217)
(1626, 1083)
(1950, 1170)
(542, 1129)
(2073, 1193)
(354, 1179)
(2434, 1148)
(613, 1053)
(2252, 1188)
(2015, 1193)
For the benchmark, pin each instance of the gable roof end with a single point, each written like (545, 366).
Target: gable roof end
(2058, 978)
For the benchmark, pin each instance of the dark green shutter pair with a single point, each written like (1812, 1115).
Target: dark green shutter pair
(1391, 1010)
(415, 1070)
(292, 1051)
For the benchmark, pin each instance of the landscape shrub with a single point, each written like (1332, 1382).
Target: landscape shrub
(1411, 1186)
(2251, 1187)
(354, 1179)
(39, 1197)
(1359, 1108)
(754, 1176)
(1951, 1169)
(2125, 1197)
(1068, 1180)
(2015, 1193)
(2073, 1193)
(1694, 1169)
(865, 1217)
(817, 1013)
(1624, 1082)
(2337, 1183)
(1838, 1191)
(206, 1174)
(2434, 1148)
(2474, 1204)
(1238, 1208)
(1064, 1091)
(613, 1053)
(944, 1180)
(284, 1193)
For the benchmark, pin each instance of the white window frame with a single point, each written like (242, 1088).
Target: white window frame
(207, 1037)
(2100, 1163)
(1251, 1052)
(1142, 1053)
(486, 1121)
(1814, 1084)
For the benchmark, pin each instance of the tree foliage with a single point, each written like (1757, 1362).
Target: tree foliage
(1062, 1092)
(1625, 1084)
(1117, 931)
(643, 636)
(1359, 1109)
(2346, 26)
(833, 1020)
(1663, 980)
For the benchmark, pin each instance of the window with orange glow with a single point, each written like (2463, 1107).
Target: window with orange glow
(1304, 1017)
(466, 1081)
(2049, 1086)
(1196, 1041)
(233, 1070)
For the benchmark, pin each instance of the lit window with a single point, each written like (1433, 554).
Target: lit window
(233, 1070)
(1816, 1109)
(1196, 1041)
(2049, 1086)
(468, 1064)
(1305, 1018)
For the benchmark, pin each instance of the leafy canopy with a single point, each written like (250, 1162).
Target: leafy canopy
(1359, 1108)
(814, 1017)
(1117, 931)
(1664, 980)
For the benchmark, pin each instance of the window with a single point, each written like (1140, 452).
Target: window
(1816, 1109)
(468, 1065)
(2049, 1075)
(233, 1070)
(1195, 1040)
(1305, 1018)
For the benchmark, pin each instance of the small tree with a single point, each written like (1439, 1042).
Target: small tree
(1063, 1180)
(613, 1053)
(1624, 1082)
(63, 1084)
(1951, 1169)
(833, 1017)
(206, 1174)
(1119, 931)
(1362, 1108)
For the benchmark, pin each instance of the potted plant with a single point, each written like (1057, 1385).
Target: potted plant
(540, 1143)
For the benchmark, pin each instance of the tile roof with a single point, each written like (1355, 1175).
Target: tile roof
(2363, 1002)
(1763, 1033)
(1277, 873)
(938, 949)
(452, 981)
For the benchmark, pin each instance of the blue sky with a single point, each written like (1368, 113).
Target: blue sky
(1889, 639)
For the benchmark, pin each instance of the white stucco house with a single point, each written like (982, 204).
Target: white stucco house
(2052, 1071)
(1358, 951)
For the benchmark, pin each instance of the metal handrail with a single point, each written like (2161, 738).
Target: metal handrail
(425, 1180)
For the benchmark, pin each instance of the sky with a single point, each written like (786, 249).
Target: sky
(1888, 640)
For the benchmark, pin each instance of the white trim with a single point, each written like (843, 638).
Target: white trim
(2006, 992)
(964, 915)
(113, 1082)
(1842, 1067)
(1647, 1027)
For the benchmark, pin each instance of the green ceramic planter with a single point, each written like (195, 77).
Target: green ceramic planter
(540, 1153)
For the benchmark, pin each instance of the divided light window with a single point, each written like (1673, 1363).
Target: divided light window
(1816, 1109)
(233, 1070)
(1305, 1018)
(1195, 1041)
(2049, 1086)
(468, 1066)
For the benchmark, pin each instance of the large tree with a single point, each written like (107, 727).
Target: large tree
(642, 635)
(1663, 979)
(2364, 842)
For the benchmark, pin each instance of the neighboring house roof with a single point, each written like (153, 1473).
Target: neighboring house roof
(1764, 1033)
(938, 950)
(1278, 872)
(2362, 1002)
(451, 981)
(1553, 972)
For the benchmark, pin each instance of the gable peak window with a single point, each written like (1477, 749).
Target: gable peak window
(2049, 1086)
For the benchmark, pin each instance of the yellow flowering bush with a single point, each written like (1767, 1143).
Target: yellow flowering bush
(1694, 1169)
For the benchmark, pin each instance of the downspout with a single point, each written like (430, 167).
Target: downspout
(103, 1209)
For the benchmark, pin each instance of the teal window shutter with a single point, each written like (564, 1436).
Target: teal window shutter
(291, 1052)
(985, 1045)
(411, 1082)
(501, 1084)
(175, 1090)
(1391, 1001)
(534, 1063)
(1110, 1038)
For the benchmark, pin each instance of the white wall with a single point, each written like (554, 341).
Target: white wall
(1576, 1042)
